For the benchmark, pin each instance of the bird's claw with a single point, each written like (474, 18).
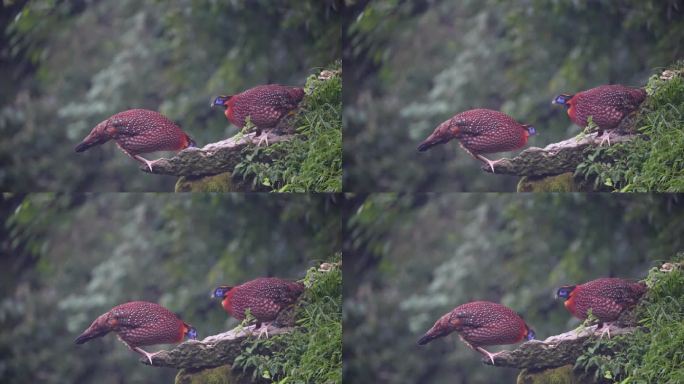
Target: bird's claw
(489, 162)
(146, 162)
(264, 137)
(604, 329)
(489, 354)
(262, 330)
(605, 137)
(147, 354)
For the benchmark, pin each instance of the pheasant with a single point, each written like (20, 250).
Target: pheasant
(607, 105)
(607, 298)
(138, 131)
(481, 323)
(481, 131)
(264, 297)
(140, 323)
(265, 105)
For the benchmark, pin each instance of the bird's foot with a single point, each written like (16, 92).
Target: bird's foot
(605, 137)
(491, 163)
(149, 163)
(263, 137)
(489, 354)
(262, 330)
(147, 354)
(604, 329)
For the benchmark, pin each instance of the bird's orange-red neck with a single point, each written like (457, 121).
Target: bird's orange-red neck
(523, 138)
(184, 142)
(570, 303)
(227, 302)
(184, 329)
(523, 333)
(230, 112)
(571, 108)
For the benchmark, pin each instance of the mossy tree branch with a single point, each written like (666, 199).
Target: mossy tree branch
(212, 159)
(555, 351)
(554, 159)
(212, 351)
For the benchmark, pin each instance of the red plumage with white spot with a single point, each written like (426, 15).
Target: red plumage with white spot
(481, 131)
(139, 323)
(606, 104)
(138, 131)
(607, 298)
(265, 297)
(265, 105)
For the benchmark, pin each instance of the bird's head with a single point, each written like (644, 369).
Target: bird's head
(530, 334)
(190, 332)
(444, 326)
(221, 101)
(531, 131)
(100, 327)
(565, 291)
(442, 134)
(220, 292)
(562, 99)
(99, 135)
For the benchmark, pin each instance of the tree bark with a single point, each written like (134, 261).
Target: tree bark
(211, 159)
(554, 159)
(555, 351)
(212, 351)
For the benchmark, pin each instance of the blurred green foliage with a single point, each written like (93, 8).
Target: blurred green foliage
(411, 258)
(69, 65)
(411, 64)
(68, 258)
(312, 161)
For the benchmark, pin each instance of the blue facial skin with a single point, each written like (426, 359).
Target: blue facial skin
(220, 292)
(531, 131)
(220, 100)
(560, 100)
(564, 292)
(530, 334)
(192, 334)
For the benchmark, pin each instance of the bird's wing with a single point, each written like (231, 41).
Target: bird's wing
(622, 294)
(283, 294)
(604, 307)
(622, 102)
(280, 99)
(123, 127)
(467, 320)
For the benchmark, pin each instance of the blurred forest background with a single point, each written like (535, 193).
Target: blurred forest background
(66, 259)
(411, 64)
(409, 259)
(67, 65)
